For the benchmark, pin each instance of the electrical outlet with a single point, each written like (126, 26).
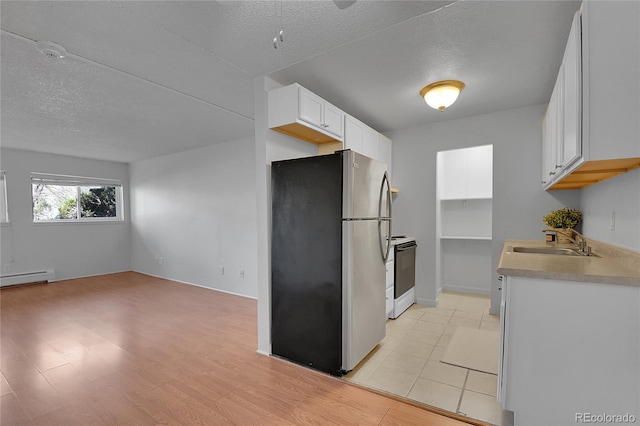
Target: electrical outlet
(161, 260)
(222, 270)
(613, 221)
(6, 267)
(242, 273)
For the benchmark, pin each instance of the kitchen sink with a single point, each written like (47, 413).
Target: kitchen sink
(550, 250)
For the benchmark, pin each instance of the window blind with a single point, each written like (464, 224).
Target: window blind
(52, 179)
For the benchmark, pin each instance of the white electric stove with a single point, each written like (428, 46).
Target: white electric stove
(404, 274)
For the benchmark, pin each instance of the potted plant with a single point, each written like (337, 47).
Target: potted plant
(563, 221)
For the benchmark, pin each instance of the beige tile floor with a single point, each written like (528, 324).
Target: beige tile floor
(407, 362)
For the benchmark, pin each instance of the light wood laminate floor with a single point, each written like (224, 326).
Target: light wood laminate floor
(132, 349)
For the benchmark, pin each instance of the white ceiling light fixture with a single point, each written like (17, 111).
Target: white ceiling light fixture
(51, 50)
(442, 94)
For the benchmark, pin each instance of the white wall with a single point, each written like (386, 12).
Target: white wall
(72, 249)
(519, 203)
(196, 211)
(621, 195)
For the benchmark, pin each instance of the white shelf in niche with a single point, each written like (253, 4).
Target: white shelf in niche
(466, 218)
(467, 199)
(465, 237)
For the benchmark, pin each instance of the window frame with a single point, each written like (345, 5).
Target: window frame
(79, 182)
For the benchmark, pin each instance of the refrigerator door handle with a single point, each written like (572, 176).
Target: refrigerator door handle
(385, 246)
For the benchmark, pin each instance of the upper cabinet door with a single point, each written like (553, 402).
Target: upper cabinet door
(480, 172)
(552, 134)
(318, 112)
(385, 152)
(333, 120)
(546, 143)
(353, 134)
(371, 143)
(311, 108)
(466, 173)
(361, 138)
(572, 89)
(454, 168)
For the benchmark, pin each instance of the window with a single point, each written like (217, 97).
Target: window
(4, 213)
(75, 199)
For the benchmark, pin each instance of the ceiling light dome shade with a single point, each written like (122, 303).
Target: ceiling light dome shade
(442, 94)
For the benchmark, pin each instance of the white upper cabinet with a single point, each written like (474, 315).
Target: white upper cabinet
(385, 151)
(371, 143)
(571, 99)
(561, 141)
(480, 172)
(333, 120)
(361, 138)
(353, 134)
(320, 113)
(297, 112)
(598, 103)
(552, 144)
(467, 173)
(454, 179)
(311, 108)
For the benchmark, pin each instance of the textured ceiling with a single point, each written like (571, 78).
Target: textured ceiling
(148, 78)
(506, 52)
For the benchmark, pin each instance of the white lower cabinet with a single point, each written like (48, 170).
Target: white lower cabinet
(390, 280)
(389, 304)
(568, 350)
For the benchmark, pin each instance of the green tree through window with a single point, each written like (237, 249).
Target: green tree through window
(72, 198)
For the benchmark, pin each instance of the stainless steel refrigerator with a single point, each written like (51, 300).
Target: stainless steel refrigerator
(331, 236)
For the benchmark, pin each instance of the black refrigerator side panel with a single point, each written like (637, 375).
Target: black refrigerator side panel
(306, 261)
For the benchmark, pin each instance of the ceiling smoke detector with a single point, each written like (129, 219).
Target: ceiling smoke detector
(51, 50)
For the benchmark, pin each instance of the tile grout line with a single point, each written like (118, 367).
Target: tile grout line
(464, 388)
(428, 358)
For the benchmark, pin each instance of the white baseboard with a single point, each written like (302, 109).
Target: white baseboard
(19, 278)
(472, 290)
(263, 352)
(426, 302)
(197, 285)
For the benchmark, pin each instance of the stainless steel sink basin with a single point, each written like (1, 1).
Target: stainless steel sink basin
(549, 250)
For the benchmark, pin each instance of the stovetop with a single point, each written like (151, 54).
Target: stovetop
(401, 239)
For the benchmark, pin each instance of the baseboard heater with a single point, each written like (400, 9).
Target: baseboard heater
(27, 278)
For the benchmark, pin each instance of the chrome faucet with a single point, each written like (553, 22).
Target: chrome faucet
(582, 244)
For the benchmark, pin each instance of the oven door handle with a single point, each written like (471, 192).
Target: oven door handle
(409, 246)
